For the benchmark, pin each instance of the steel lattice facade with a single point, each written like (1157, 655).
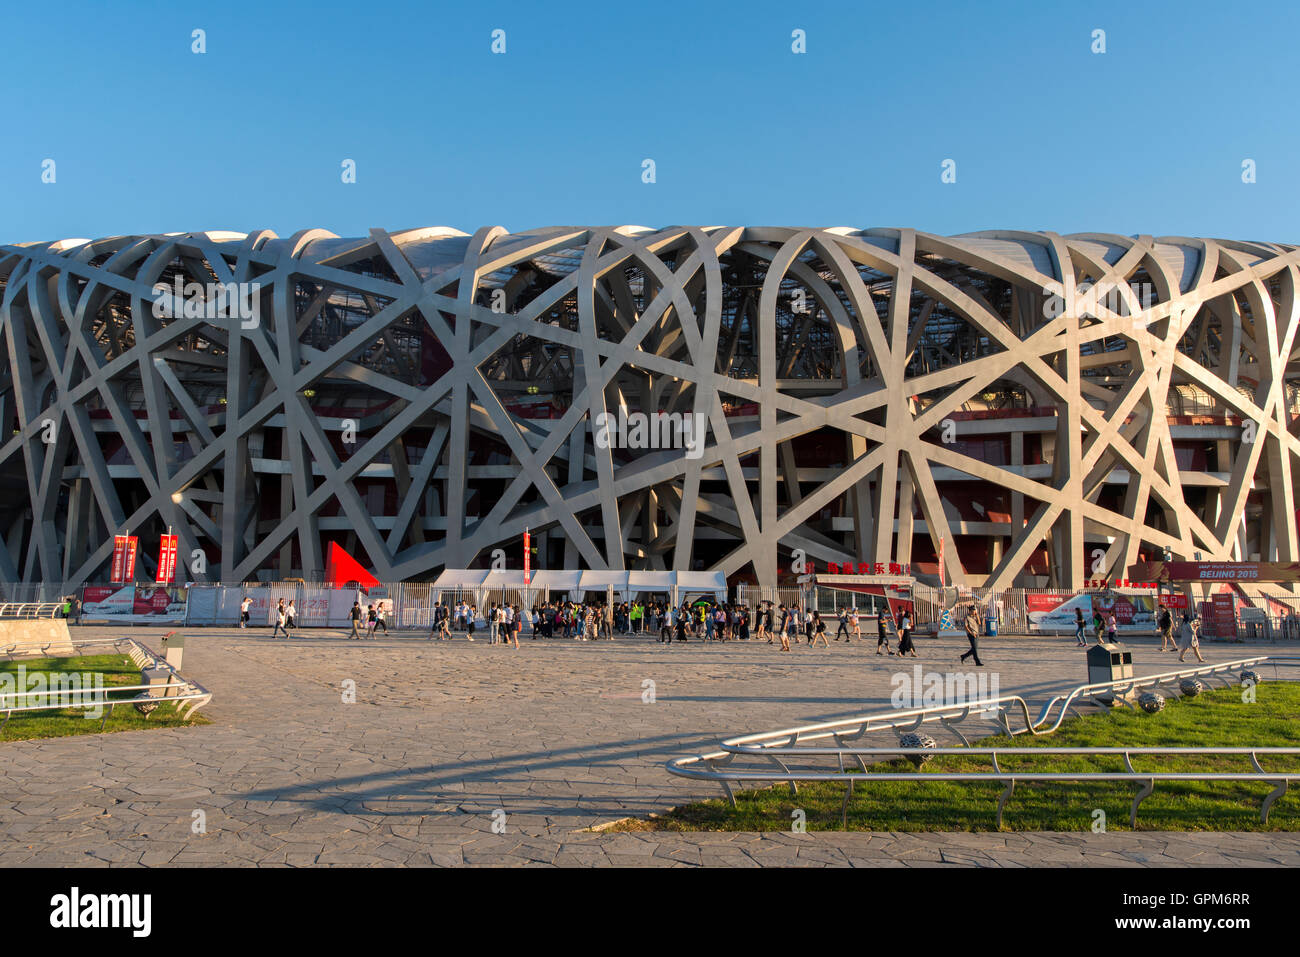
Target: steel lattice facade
(1051, 407)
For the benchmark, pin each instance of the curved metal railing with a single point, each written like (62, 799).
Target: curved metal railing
(187, 694)
(30, 609)
(1281, 780)
(779, 747)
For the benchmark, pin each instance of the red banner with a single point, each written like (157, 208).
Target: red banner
(528, 575)
(119, 559)
(1173, 601)
(167, 551)
(132, 546)
(124, 547)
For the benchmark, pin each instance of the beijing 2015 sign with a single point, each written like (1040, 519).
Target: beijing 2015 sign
(1218, 571)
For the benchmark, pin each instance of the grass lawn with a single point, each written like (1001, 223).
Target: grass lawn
(1216, 718)
(116, 669)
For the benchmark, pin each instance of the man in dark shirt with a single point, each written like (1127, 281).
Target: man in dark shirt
(1167, 630)
(972, 624)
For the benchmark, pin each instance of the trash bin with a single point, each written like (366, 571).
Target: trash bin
(1109, 662)
(990, 626)
(154, 676)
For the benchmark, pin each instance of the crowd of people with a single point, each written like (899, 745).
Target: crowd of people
(504, 622)
(707, 621)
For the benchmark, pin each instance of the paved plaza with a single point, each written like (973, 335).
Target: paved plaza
(555, 735)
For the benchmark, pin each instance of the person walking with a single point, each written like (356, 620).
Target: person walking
(290, 618)
(280, 620)
(244, 607)
(819, 631)
(76, 610)
(1189, 638)
(1079, 639)
(882, 635)
(972, 625)
(355, 615)
(513, 626)
(843, 629)
(1098, 626)
(855, 623)
(1112, 626)
(787, 626)
(381, 618)
(1167, 630)
(905, 646)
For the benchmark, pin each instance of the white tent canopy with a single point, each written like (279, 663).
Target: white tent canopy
(554, 580)
(625, 584)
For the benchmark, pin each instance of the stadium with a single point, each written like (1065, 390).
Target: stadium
(1031, 409)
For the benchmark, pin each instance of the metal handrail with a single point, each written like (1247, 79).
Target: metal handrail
(850, 729)
(30, 609)
(1280, 779)
(195, 694)
(4, 696)
(776, 745)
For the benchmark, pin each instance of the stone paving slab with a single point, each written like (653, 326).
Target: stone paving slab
(448, 742)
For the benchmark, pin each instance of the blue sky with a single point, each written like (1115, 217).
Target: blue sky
(1148, 137)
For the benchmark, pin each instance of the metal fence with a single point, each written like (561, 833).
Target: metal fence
(792, 755)
(37, 592)
(409, 605)
(45, 609)
(185, 694)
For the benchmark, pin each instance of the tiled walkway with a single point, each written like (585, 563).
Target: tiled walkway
(554, 738)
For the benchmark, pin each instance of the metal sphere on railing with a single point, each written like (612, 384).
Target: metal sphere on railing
(1251, 677)
(1191, 687)
(914, 740)
(1152, 702)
